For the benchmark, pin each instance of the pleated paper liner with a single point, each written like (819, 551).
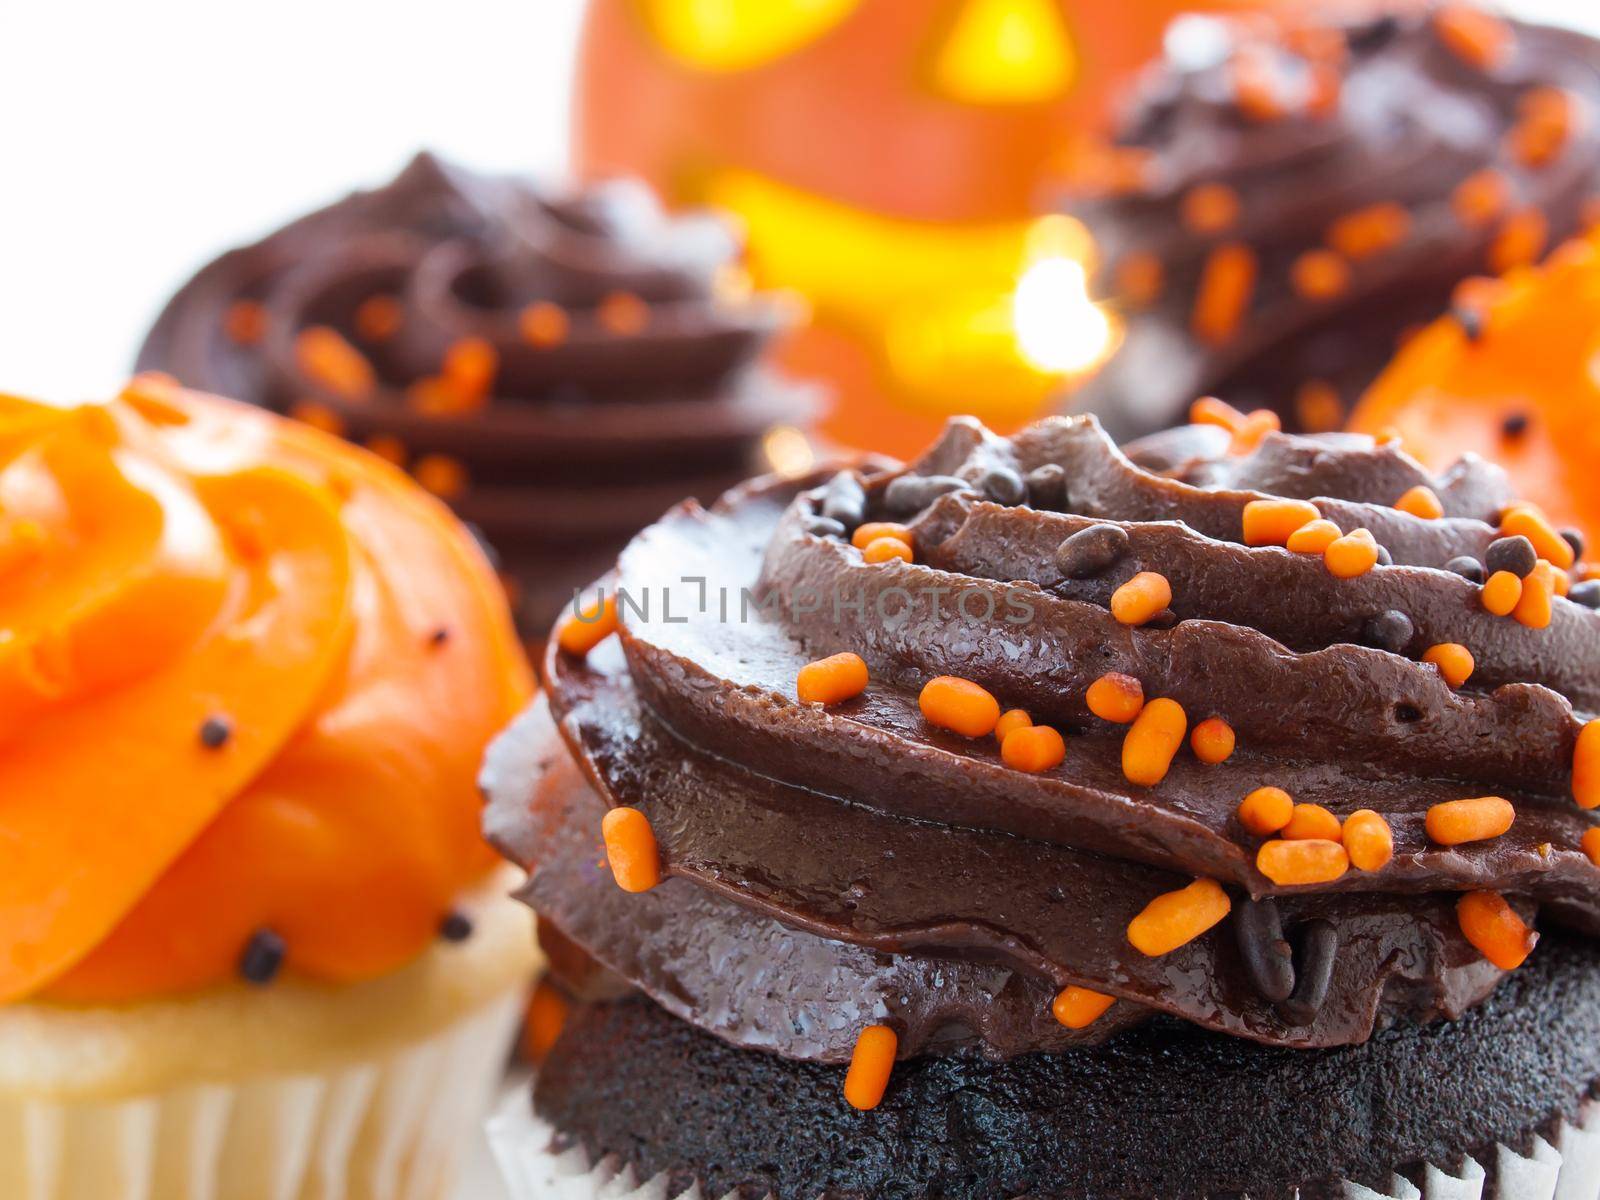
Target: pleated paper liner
(1567, 1167)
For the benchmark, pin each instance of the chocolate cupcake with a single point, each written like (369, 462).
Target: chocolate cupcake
(559, 368)
(1286, 202)
(1040, 820)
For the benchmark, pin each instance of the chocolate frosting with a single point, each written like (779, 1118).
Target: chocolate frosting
(1409, 120)
(579, 442)
(838, 859)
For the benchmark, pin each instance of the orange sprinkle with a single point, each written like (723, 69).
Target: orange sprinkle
(379, 317)
(245, 322)
(439, 396)
(323, 354)
(471, 364)
(1500, 593)
(1210, 208)
(1212, 740)
(318, 416)
(871, 1064)
(1368, 840)
(152, 394)
(1016, 718)
(1370, 231)
(1266, 810)
(1272, 522)
(1256, 427)
(1520, 241)
(1538, 593)
(881, 550)
(1226, 286)
(866, 534)
(1530, 523)
(1141, 598)
(1208, 410)
(1255, 88)
(1453, 660)
(1291, 864)
(442, 475)
(1310, 821)
(831, 680)
(631, 849)
(1318, 406)
(624, 313)
(1175, 919)
(1314, 538)
(1563, 582)
(1078, 1008)
(1320, 275)
(1033, 750)
(583, 630)
(1474, 36)
(1116, 697)
(388, 447)
(547, 1016)
(1456, 822)
(1546, 117)
(1354, 554)
(959, 705)
(543, 324)
(1140, 277)
(1422, 502)
(1590, 844)
(1152, 741)
(1495, 930)
(1480, 198)
(1586, 766)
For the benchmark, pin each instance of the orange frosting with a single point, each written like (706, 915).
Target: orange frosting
(1523, 393)
(169, 560)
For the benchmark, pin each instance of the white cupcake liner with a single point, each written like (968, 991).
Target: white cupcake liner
(1565, 1168)
(394, 1127)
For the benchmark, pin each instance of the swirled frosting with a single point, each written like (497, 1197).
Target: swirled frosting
(560, 368)
(1283, 206)
(246, 676)
(833, 866)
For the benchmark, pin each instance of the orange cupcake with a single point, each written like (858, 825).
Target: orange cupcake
(250, 941)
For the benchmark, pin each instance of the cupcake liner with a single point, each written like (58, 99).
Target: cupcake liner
(1567, 1167)
(393, 1127)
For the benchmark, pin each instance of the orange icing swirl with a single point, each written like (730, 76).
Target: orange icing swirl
(170, 559)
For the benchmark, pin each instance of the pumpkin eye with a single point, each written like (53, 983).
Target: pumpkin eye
(1005, 52)
(735, 35)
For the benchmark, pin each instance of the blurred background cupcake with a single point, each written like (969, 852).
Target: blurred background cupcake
(252, 942)
(560, 369)
(1288, 200)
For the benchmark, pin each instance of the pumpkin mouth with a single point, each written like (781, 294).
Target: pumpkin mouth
(993, 315)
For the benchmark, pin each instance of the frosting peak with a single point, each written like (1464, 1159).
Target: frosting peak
(893, 842)
(245, 675)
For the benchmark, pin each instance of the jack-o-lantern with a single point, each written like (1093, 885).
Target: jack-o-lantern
(887, 157)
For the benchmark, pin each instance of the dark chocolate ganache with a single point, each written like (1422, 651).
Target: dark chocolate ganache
(829, 867)
(1286, 202)
(560, 368)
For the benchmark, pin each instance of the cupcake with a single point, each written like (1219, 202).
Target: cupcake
(1031, 821)
(1509, 374)
(1287, 202)
(559, 368)
(251, 942)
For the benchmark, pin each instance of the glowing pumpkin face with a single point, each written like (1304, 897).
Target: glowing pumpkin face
(887, 157)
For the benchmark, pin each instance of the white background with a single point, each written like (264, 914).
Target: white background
(140, 137)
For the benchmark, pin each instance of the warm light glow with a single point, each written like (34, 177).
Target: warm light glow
(1058, 328)
(736, 35)
(1006, 52)
(788, 451)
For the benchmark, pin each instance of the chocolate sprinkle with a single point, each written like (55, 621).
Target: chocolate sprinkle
(439, 636)
(1586, 593)
(1514, 426)
(913, 493)
(1319, 943)
(215, 732)
(1391, 630)
(824, 527)
(845, 500)
(1467, 567)
(1471, 322)
(1091, 551)
(1575, 539)
(1268, 957)
(1047, 488)
(1514, 554)
(1003, 486)
(456, 927)
(262, 958)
